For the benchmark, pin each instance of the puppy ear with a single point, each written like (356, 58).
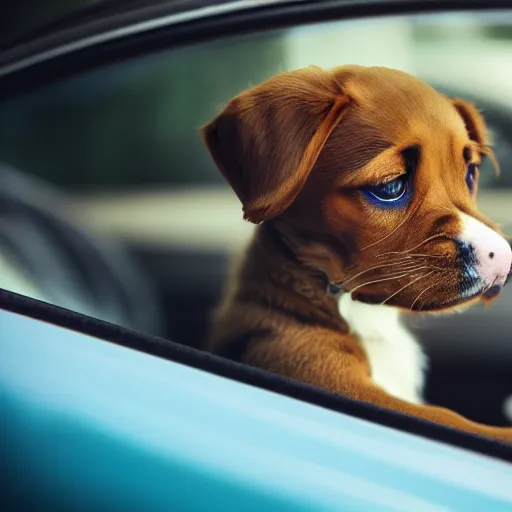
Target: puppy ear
(267, 139)
(474, 121)
(477, 129)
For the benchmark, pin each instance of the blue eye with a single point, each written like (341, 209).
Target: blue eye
(471, 177)
(388, 193)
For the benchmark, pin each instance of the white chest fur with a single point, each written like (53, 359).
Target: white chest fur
(396, 360)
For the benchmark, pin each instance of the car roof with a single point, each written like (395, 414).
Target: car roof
(114, 20)
(52, 16)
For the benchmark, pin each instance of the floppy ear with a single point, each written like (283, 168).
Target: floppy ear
(477, 129)
(474, 121)
(267, 139)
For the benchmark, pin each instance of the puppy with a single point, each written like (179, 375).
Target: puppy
(364, 182)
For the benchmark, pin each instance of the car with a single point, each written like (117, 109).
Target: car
(116, 235)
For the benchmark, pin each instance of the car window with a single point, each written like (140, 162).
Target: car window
(115, 135)
(114, 156)
(123, 141)
(135, 124)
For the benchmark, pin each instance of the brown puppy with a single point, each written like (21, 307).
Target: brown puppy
(365, 182)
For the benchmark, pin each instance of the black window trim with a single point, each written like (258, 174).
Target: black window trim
(98, 41)
(80, 40)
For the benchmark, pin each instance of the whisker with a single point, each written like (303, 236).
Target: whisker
(404, 256)
(380, 280)
(344, 282)
(425, 290)
(406, 286)
(441, 269)
(395, 261)
(408, 251)
(387, 278)
(425, 263)
(387, 236)
(409, 255)
(406, 218)
(433, 237)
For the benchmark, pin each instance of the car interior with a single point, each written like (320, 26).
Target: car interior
(111, 207)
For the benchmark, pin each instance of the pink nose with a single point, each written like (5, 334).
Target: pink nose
(493, 262)
(493, 253)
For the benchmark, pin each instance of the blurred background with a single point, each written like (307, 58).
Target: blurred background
(113, 157)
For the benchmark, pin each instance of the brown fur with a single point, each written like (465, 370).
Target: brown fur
(296, 150)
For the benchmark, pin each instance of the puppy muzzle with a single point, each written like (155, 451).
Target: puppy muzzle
(486, 258)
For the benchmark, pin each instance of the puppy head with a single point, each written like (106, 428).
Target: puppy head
(373, 177)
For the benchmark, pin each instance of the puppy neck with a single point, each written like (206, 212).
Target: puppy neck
(275, 274)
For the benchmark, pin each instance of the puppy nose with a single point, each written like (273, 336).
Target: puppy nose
(493, 255)
(496, 261)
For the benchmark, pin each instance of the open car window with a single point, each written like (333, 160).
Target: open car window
(130, 222)
(124, 140)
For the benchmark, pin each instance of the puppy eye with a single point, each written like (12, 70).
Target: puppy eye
(389, 192)
(471, 176)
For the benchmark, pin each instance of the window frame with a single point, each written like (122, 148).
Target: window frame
(72, 50)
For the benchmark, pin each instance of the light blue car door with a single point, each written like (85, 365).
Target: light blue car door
(90, 425)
